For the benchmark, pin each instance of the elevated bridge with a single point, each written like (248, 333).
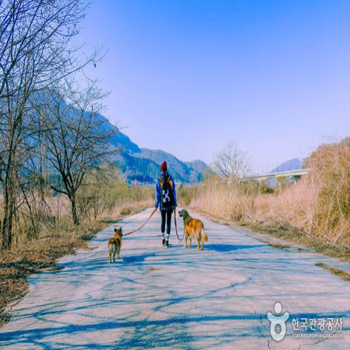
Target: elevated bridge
(280, 174)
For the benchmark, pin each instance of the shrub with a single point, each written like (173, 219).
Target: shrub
(330, 175)
(265, 188)
(184, 195)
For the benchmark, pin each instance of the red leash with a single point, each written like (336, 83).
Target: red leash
(178, 238)
(140, 228)
(129, 233)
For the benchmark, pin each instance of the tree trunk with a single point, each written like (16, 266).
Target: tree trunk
(74, 210)
(6, 228)
(6, 233)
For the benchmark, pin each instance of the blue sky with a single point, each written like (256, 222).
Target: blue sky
(188, 76)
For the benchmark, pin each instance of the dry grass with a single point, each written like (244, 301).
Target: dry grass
(292, 234)
(314, 212)
(330, 178)
(223, 200)
(126, 209)
(152, 269)
(342, 274)
(320, 203)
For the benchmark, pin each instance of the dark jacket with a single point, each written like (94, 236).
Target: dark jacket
(158, 201)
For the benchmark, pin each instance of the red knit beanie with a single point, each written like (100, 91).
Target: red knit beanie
(164, 167)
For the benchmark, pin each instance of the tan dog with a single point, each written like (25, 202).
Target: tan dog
(194, 228)
(115, 244)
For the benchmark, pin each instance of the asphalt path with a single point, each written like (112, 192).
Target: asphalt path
(177, 298)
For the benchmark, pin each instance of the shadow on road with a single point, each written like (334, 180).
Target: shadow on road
(230, 247)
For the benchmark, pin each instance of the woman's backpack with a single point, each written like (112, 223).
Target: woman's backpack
(167, 194)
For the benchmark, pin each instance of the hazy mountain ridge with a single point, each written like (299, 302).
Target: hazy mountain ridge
(197, 165)
(291, 164)
(140, 164)
(143, 164)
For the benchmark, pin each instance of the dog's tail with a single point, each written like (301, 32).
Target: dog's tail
(204, 235)
(112, 245)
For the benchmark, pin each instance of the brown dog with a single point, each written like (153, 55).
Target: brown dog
(194, 228)
(115, 244)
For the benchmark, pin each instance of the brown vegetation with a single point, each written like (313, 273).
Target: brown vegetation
(37, 55)
(342, 274)
(314, 211)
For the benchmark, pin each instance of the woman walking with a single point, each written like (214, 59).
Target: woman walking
(165, 199)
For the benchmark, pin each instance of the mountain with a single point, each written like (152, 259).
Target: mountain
(292, 164)
(179, 170)
(121, 140)
(136, 164)
(197, 165)
(143, 164)
(137, 169)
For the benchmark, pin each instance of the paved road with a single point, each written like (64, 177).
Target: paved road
(176, 298)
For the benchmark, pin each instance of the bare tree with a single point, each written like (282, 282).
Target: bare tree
(76, 138)
(35, 52)
(231, 162)
(38, 34)
(96, 191)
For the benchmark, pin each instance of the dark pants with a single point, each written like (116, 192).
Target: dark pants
(166, 216)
